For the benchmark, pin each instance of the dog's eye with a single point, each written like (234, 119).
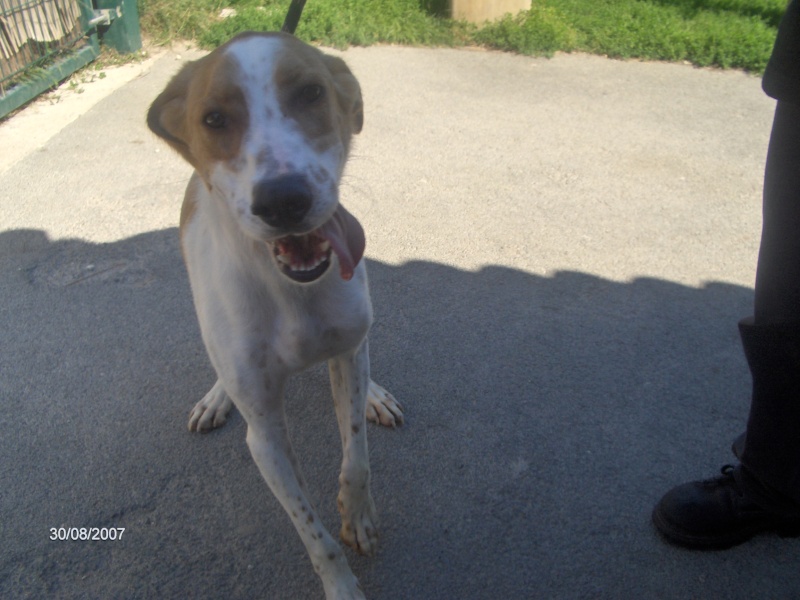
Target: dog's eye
(215, 120)
(311, 93)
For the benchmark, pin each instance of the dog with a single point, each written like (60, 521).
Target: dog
(275, 264)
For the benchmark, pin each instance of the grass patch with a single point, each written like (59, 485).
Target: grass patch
(541, 30)
(166, 21)
(723, 33)
(338, 23)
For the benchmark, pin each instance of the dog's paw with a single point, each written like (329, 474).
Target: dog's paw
(212, 411)
(359, 523)
(382, 407)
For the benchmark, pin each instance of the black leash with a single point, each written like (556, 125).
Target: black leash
(293, 16)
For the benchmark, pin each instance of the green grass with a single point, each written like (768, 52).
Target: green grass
(722, 33)
(339, 22)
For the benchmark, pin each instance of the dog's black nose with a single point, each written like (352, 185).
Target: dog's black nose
(282, 202)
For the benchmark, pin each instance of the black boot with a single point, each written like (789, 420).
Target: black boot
(716, 514)
(763, 493)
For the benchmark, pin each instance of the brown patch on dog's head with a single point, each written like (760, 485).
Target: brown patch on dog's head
(184, 113)
(348, 95)
(349, 92)
(301, 73)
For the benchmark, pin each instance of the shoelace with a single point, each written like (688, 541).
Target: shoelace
(728, 471)
(728, 479)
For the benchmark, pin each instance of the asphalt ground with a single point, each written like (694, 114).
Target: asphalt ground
(559, 251)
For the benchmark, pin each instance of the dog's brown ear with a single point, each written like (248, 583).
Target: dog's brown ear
(167, 117)
(348, 92)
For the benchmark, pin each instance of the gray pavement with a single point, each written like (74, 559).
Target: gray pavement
(559, 251)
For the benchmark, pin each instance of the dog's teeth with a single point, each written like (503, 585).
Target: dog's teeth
(308, 266)
(287, 259)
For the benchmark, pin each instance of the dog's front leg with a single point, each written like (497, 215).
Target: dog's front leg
(350, 382)
(268, 440)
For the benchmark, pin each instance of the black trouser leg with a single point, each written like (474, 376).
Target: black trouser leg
(772, 339)
(777, 293)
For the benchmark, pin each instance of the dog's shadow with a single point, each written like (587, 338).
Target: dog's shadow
(544, 415)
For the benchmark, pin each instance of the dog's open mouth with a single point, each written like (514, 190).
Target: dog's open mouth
(304, 258)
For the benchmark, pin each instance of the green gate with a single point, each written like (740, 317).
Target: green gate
(42, 42)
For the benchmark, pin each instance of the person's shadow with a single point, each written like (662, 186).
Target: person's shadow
(544, 417)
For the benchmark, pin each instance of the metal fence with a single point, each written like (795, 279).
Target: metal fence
(34, 31)
(42, 42)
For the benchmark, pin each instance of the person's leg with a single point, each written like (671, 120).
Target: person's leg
(763, 493)
(777, 293)
(771, 339)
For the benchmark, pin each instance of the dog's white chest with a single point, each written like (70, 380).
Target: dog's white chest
(319, 328)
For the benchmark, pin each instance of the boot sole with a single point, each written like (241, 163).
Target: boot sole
(722, 542)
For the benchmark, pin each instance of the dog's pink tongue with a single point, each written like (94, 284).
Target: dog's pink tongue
(346, 237)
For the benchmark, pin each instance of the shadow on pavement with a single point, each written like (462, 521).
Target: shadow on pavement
(545, 416)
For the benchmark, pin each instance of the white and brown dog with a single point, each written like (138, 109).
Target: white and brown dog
(274, 262)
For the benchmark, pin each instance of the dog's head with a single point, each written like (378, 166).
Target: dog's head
(266, 121)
